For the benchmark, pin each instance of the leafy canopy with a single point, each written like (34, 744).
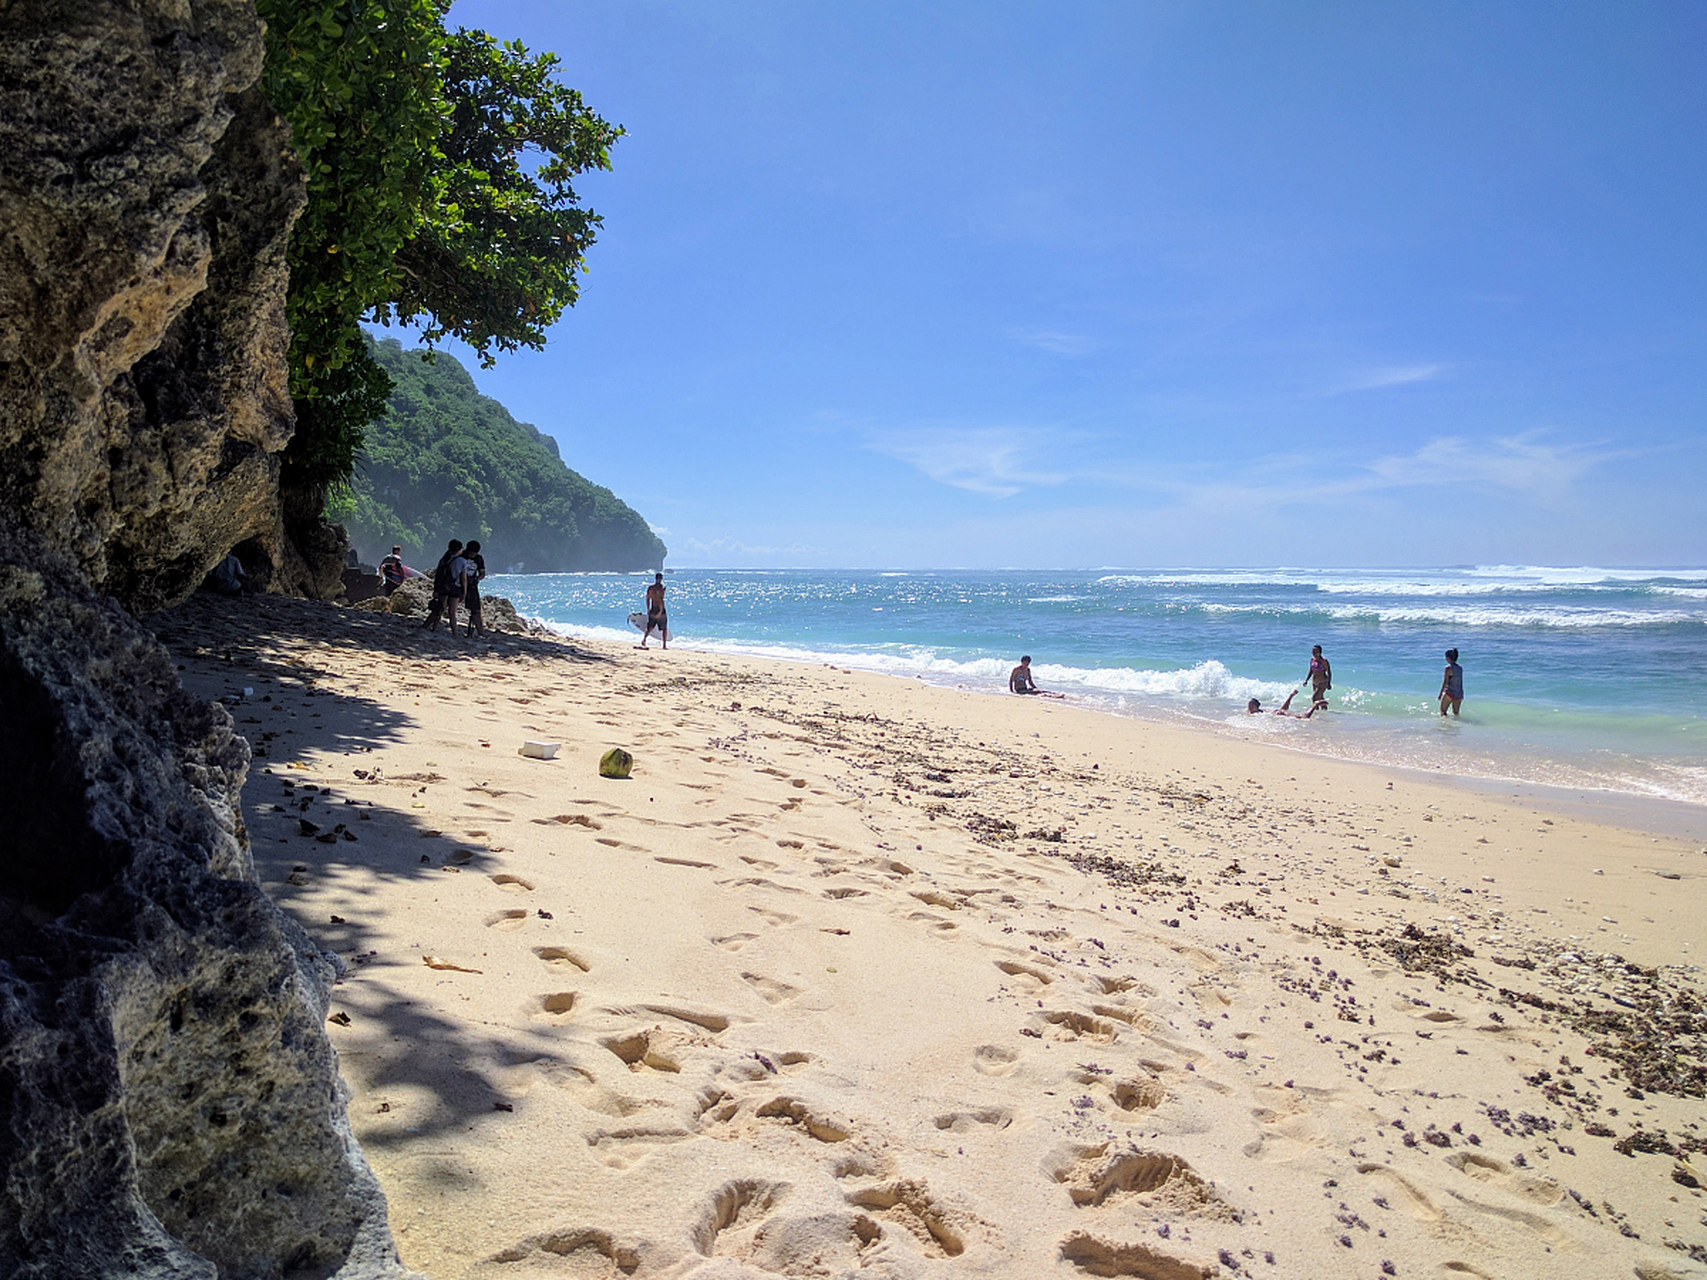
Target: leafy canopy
(449, 462)
(440, 168)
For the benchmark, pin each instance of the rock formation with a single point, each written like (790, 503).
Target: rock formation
(147, 191)
(169, 1104)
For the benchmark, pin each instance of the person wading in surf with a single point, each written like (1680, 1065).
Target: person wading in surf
(1452, 684)
(1321, 678)
(655, 613)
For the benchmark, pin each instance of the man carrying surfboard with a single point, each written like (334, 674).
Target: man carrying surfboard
(655, 614)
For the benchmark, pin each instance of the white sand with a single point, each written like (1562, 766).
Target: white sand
(794, 1001)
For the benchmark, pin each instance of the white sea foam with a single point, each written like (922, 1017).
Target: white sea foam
(1573, 616)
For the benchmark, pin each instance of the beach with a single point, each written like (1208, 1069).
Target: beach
(860, 974)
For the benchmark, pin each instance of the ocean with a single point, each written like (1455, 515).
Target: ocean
(1585, 678)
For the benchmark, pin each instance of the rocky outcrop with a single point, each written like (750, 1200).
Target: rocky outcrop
(169, 1103)
(147, 192)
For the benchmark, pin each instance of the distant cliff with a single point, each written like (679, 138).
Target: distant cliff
(447, 462)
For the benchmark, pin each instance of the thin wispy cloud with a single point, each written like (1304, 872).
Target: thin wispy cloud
(741, 550)
(1058, 342)
(1527, 463)
(995, 461)
(1395, 375)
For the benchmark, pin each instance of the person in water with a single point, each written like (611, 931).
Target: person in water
(1255, 708)
(1020, 680)
(656, 616)
(1321, 678)
(1452, 684)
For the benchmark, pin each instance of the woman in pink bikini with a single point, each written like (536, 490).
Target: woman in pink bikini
(1321, 678)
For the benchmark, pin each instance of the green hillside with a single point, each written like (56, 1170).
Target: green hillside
(447, 462)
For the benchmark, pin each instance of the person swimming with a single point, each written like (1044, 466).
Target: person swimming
(1255, 708)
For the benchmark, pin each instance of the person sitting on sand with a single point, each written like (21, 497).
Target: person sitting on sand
(655, 614)
(1452, 684)
(1321, 678)
(1020, 680)
(1255, 708)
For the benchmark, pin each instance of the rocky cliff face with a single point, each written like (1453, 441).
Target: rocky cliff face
(146, 195)
(169, 1104)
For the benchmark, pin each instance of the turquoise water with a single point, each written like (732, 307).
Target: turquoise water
(1579, 677)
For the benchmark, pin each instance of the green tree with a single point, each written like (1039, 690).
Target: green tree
(440, 171)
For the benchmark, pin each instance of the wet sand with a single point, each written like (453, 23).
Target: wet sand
(857, 975)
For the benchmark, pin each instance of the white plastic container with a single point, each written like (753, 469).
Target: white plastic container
(541, 750)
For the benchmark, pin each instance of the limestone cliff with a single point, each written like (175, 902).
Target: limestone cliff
(147, 191)
(169, 1104)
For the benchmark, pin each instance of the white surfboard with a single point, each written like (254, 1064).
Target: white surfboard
(638, 622)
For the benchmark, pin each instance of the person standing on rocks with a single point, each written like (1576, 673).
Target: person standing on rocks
(471, 594)
(442, 587)
(393, 572)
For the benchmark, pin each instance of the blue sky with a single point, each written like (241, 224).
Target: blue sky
(1072, 285)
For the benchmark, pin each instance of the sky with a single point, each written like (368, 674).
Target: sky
(1137, 284)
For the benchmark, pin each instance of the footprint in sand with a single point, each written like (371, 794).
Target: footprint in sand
(973, 1121)
(732, 1219)
(561, 957)
(907, 1204)
(1414, 1198)
(1098, 1257)
(508, 921)
(512, 884)
(1031, 977)
(1101, 1175)
(773, 917)
(1496, 1172)
(1067, 1024)
(686, 862)
(558, 1002)
(588, 1252)
(993, 1060)
(773, 990)
(733, 941)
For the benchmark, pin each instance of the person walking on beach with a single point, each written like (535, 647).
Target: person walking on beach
(655, 614)
(393, 571)
(471, 590)
(1321, 678)
(1452, 684)
(448, 572)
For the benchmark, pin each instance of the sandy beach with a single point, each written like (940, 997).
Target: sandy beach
(857, 975)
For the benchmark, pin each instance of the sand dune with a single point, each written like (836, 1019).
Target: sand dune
(859, 976)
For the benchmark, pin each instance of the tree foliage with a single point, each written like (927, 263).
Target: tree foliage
(446, 462)
(440, 168)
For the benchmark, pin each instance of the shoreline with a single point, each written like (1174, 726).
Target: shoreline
(1673, 814)
(858, 977)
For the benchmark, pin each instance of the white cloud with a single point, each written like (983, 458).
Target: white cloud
(996, 461)
(1525, 463)
(1383, 376)
(1058, 342)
